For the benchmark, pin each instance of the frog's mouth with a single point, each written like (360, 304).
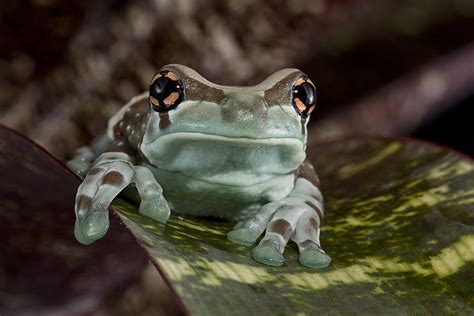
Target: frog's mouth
(225, 160)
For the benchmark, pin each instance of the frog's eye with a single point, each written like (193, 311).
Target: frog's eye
(304, 96)
(166, 91)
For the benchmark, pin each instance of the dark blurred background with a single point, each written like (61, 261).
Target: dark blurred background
(392, 67)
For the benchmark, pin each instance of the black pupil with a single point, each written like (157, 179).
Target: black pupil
(306, 93)
(162, 88)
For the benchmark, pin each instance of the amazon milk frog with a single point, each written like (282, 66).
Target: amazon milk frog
(204, 149)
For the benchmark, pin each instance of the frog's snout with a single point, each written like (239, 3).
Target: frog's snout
(244, 107)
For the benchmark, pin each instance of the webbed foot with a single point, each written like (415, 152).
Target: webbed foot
(296, 217)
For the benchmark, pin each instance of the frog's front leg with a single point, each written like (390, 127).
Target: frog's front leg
(112, 172)
(297, 217)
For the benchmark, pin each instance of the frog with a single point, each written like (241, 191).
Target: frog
(208, 150)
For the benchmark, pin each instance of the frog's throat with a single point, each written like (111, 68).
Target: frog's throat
(210, 156)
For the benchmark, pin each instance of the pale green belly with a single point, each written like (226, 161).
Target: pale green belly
(195, 197)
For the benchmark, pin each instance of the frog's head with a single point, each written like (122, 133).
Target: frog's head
(261, 127)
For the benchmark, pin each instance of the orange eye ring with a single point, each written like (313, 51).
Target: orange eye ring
(166, 91)
(303, 96)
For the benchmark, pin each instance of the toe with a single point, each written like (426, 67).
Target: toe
(267, 253)
(157, 210)
(88, 235)
(92, 227)
(80, 236)
(242, 236)
(79, 167)
(314, 258)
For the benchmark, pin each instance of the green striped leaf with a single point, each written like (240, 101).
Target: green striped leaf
(399, 228)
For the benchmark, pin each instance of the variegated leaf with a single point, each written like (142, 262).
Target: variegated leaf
(399, 228)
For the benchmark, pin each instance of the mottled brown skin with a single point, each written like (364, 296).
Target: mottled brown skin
(121, 145)
(94, 171)
(281, 227)
(127, 129)
(84, 202)
(317, 209)
(197, 90)
(306, 171)
(164, 121)
(113, 178)
(279, 92)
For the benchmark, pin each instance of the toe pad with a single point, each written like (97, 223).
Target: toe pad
(314, 258)
(242, 236)
(267, 253)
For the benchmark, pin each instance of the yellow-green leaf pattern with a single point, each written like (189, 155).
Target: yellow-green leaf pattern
(399, 228)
